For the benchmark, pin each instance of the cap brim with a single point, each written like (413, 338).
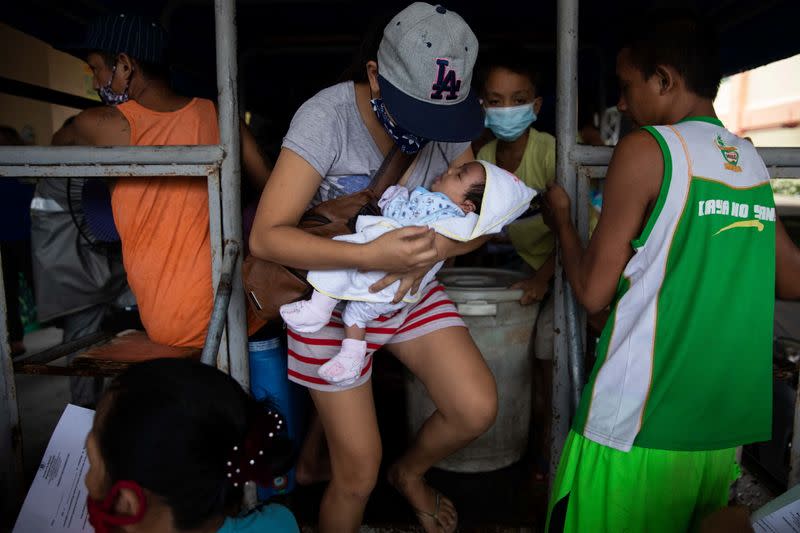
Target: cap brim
(446, 123)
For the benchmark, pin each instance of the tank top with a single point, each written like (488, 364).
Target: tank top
(685, 359)
(163, 225)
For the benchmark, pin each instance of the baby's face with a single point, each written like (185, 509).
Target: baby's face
(456, 181)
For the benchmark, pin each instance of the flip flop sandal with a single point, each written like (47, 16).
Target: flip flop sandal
(435, 514)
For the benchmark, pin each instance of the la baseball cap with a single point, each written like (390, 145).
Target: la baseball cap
(135, 35)
(425, 63)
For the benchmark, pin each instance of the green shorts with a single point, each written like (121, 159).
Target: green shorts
(602, 490)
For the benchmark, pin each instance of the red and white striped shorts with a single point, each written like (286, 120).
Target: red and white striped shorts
(307, 351)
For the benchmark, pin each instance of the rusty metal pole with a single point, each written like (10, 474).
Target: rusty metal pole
(227, 83)
(10, 435)
(566, 130)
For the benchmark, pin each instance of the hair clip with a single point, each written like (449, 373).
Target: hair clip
(242, 466)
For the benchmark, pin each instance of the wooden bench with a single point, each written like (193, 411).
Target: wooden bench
(104, 354)
(100, 354)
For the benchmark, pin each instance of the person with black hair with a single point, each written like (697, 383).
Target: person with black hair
(417, 97)
(77, 284)
(690, 255)
(453, 195)
(172, 444)
(511, 100)
(163, 223)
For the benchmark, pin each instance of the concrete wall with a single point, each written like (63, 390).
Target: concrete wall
(30, 60)
(763, 103)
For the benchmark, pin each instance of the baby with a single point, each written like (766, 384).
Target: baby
(455, 193)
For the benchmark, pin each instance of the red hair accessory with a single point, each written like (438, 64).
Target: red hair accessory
(101, 515)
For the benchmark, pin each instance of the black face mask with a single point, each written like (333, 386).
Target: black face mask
(107, 94)
(407, 141)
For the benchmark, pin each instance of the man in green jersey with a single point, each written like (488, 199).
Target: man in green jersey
(688, 253)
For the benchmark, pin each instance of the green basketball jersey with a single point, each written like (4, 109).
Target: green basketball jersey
(685, 360)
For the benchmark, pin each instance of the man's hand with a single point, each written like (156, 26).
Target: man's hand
(533, 289)
(555, 207)
(409, 282)
(632, 185)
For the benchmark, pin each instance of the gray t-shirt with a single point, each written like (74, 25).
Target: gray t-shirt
(328, 132)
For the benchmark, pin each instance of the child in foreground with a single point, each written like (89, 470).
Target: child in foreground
(173, 443)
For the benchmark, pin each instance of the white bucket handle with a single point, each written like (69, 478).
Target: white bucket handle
(477, 308)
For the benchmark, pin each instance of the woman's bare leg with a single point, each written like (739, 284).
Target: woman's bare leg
(351, 429)
(463, 389)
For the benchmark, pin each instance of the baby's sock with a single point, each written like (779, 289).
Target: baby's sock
(308, 316)
(345, 367)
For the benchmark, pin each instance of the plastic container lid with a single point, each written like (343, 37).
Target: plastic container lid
(481, 284)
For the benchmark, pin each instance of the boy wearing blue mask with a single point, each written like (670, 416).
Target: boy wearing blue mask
(511, 102)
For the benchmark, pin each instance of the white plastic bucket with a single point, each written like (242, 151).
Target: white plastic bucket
(502, 329)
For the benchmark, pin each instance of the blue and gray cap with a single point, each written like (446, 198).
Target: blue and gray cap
(425, 63)
(135, 35)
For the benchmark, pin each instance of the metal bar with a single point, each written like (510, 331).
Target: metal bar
(583, 205)
(780, 157)
(10, 434)
(61, 350)
(104, 170)
(794, 459)
(566, 129)
(790, 173)
(595, 171)
(45, 94)
(575, 344)
(227, 82)
(217, 250)
(586, 155)
(584, 213)
(222, 298)
(775, 172)
(108, 369)
(250, 496)
(110, 155)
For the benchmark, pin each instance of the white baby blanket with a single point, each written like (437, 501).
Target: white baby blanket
(504, 199)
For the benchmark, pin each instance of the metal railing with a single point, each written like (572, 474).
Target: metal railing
(219, 164)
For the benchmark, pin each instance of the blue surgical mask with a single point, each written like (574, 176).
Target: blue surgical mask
(107, 94)
(407, 141)
(509, 123)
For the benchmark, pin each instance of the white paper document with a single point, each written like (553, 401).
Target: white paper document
(784, 520)
(56, 501)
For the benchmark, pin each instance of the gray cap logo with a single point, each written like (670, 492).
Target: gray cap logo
(425, 63)
(445, 82)
(428, 53)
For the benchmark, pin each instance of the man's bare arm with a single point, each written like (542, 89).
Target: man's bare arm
(632, 185)
(67, 136)
(255, 163)
(96, 126)
(787, 265)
